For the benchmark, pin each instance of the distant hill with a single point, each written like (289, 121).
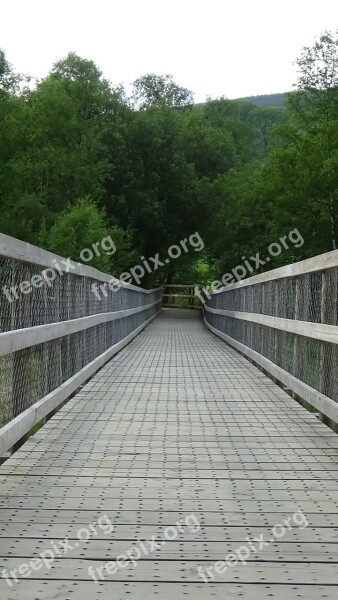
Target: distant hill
(266, 99)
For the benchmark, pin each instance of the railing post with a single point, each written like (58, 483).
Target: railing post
(85, 292)
(55, 354)
(276, 311)
(297, 362)
(21, 317)
(328, 370)
(78, 313)
(53, 363)
(68, 291)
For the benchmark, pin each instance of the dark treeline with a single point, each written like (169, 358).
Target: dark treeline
(79, 160)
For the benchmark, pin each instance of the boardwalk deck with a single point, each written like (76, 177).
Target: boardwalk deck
(177, 424)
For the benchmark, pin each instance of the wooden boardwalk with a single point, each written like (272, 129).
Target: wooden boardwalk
(177, 428)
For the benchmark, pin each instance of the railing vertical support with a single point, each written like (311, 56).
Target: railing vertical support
(297, 362)
(328, 369)
(21, 316)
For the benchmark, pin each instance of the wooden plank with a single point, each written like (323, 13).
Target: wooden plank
(24, 252)
(328, 366)
(187, 572)
(12, 341)
(178, 295)
(178, 285)
(209, 508)
(153, 488)
(323, 403)
(80, 590)
(240, 474)
(178, 425)
(167, 518)
(172, 497)
(16, 429)
(321, 262)
(127, 533)
(315, 331)
(95, 549)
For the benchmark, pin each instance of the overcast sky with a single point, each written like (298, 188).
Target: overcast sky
(213, 47)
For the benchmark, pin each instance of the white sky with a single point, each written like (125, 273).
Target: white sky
(213, 47)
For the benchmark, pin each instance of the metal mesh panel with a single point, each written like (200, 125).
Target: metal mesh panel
(29, 374)
(311, 297)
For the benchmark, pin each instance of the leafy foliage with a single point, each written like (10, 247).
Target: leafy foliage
(160, 91)
(80, 161)
(267, 100)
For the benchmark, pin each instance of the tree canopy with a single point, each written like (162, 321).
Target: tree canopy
(81, 160)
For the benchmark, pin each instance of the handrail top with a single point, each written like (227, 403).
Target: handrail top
(178, 285)
(23, 251)
(328, 260)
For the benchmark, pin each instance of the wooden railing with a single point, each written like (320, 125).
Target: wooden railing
(180, 296)
(286, 321)
(60, 321)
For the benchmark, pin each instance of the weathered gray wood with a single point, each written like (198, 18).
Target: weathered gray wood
(181, 571)
(315, 331)
(23, 251)
(187, 550)
(177, 424)
(301, 313)
(18, 427)
(209, 534)
(80, 590)
(12, 341)
(325, 405)
(310, 265)
(328, 368)
(20, 372)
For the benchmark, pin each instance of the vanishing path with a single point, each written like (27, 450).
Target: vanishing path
(177, 424)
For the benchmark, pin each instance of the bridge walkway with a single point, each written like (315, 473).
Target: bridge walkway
(180, 439)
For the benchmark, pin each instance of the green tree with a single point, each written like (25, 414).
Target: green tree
(302, 171)
(84, 226)
(76, 228)
(161, 197)
(160, 91)
(9, 80)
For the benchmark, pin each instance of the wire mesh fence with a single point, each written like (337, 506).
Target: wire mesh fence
(309, 298)
(28, 301)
